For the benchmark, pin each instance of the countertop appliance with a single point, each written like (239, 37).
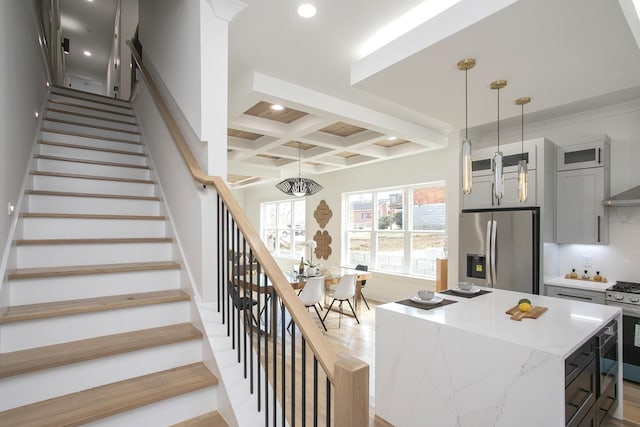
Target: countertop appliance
(626, 295)
(500, 248)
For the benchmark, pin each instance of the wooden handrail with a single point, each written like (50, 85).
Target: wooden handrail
(317, 342)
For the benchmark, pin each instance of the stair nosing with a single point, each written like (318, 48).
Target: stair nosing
(71, 104)
(92, 216)
(93, 195)
(90, 148)
(89, 116)
(80, 270)
(48, 310)
(90, 241)
(109, 129)
(92, 177)
(90, 162)
(84, 135)
(113, 398)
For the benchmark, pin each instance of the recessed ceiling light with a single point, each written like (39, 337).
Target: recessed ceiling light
(307, 10)
(36, 114)
(86, 53)
(392, 138)
(277, 107)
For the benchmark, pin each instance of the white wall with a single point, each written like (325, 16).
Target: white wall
(618, 259)
(128, 24)
(23, 91)
(426, 167)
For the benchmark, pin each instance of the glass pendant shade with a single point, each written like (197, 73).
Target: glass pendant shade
(523, 181)
(467, 181)
(498, 176)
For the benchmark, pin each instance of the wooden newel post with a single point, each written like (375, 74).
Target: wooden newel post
(351, 383)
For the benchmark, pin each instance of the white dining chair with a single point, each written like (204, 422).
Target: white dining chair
(345, 290)
(312, 294)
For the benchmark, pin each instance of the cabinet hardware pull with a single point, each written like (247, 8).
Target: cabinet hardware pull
(574, 296)
(598, 228)
(492, 193)
(599, 151)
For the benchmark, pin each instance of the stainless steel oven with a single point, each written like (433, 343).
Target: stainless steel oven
(607, 375)
(626, 295)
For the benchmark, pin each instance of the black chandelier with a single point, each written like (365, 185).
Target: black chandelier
(299, 186)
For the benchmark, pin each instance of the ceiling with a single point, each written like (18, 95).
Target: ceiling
(342, 109)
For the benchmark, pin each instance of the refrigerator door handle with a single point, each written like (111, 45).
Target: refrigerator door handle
(494, 271)
(488, 254)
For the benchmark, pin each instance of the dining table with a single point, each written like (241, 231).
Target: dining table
(332, 276)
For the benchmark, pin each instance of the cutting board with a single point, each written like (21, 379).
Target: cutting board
(534, 313)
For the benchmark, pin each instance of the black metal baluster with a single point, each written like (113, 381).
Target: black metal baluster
(234, 283)
(252, 329)
(258, 275)
(293, 373)
(229, 258)
(283, 368)
(266, 356)
(220, 253)
(274, 337)
(328, 413)
(304, 381)
(315, 391)
(249, 305)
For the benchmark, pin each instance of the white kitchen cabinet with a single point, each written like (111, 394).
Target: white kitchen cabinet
(580, 214)
(584, 295)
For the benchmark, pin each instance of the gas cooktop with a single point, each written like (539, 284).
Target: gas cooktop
(630, 287)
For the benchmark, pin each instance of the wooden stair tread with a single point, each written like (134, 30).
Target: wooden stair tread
(87, 305)
(87, 147)
(90, 162)
(92, 177)
(86, 107)
(86, 135)
(89, 116)
(35, 359)
(210, 419)
(95, 195)
(106, 100)
(92, 126)
(92, 216)
(99, 402)
(76, 270)
(83, 241)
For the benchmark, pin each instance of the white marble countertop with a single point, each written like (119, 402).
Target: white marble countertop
(561, 330)
(579, 284)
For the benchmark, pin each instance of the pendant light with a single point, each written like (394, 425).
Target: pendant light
(523, 175)
(467, 179)
(299, 186)
(498, 176)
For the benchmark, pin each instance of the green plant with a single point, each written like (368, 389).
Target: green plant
(311, 264)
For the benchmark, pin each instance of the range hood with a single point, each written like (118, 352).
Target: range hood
(631, 197)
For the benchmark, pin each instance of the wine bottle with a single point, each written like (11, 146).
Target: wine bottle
(301, 267)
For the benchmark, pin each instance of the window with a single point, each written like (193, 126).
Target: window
(282, 227)
(399, 230)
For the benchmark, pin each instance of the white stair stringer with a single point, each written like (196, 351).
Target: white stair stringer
(90, 181)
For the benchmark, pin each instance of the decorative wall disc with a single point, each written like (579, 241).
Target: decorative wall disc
(322, 214)
(323, 239)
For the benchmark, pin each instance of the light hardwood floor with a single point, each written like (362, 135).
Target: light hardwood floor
(359, 340)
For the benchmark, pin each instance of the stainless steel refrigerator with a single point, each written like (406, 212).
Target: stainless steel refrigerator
(500, 248)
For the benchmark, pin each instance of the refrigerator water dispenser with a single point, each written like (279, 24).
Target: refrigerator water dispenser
(476, 266)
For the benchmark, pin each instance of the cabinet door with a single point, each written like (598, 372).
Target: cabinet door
(575, 294)
(510, 195)
(580, 216)
(581, 156)
(481, 196)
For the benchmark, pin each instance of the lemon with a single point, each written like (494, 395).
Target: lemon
(524, 300)
(524, 307)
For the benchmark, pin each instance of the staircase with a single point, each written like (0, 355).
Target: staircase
(98, 329)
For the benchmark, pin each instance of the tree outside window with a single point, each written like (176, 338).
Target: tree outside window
(282, 227)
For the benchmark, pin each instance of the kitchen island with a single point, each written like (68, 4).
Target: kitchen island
(469, 364)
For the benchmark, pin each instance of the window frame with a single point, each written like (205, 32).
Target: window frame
(278, 228)
(407, 231)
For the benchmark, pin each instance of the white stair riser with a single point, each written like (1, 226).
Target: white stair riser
(91, 120)
(31, 256)
(49, 289)
(92, 205)
(88, 103)
(166, 412)
(69, 228)
(61, 166)
(90, 130)
(103, 156)
(91, 142)
(49, 383)
(16, 336)
(94, 186)
(99, 112)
